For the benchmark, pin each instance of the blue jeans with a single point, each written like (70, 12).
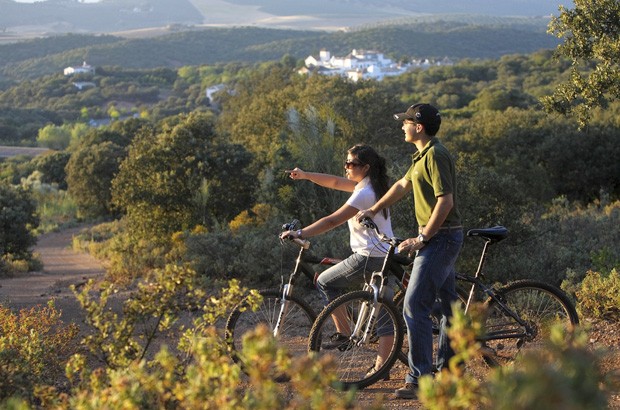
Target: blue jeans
(351, 273)
(432, 277)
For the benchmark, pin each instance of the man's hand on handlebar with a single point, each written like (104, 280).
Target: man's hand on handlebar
(409, 246)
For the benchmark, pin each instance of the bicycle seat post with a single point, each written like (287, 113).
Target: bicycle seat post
(483, 257)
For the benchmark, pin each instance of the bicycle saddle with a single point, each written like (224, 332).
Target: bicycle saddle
(494, 234)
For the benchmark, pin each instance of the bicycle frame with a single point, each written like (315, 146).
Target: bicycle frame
(490, 292)
(477, 283)
(380, 277)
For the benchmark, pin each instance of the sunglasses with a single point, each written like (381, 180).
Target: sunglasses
(351, 164)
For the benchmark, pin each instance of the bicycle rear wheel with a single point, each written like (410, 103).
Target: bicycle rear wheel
(539, 304)
(295, 323)
(355, 358)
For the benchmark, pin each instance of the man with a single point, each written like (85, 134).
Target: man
(432, 178)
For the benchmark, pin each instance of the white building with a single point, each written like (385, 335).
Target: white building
(362, 64)
(357, 65)
(83, 69)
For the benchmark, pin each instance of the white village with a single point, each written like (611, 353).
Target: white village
(363, 65)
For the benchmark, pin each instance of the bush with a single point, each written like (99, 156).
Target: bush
(17, 219)
(192, 368)
(252, 252)
(34, 348)
(565, 374)
(599, 296)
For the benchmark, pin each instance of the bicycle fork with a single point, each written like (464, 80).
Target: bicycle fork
(287, 289)
(367, 316)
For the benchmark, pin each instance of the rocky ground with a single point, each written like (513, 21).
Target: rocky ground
(64, 267)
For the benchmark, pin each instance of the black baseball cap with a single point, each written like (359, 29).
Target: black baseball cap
(425, 114)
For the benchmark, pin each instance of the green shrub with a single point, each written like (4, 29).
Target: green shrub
(55, 207)
(565, 374)
(599, 295)
(196, 372)
(564, 244)
(252, 253)
(17, 220)
(34, 347)
(455, 388)
(209, 380)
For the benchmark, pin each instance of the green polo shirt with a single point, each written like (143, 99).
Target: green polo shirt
(433, 174)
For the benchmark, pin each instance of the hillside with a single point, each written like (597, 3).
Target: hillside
(108, 16)
(57, 16)
(200, 46)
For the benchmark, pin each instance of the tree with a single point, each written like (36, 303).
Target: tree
(17, 219)
(591, 33)
(54, 137)
(90, 171)
(174, 173)
(52, 166)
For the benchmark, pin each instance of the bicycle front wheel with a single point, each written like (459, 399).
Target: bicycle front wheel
(367, 338)
(288, 320)
(539, 305)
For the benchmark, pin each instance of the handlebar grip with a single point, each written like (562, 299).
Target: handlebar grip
(368, 223)
(290, 226)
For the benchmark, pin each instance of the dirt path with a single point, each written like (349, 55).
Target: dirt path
(62, 267)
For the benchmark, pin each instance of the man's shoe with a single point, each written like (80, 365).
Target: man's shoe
(409, 391)
(336, 341)
(373, 370)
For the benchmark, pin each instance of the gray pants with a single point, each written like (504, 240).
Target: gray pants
(350, 274)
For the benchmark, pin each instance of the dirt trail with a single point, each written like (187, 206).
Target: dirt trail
(62, 267)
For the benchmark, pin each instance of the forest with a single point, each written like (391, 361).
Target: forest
(179, 179)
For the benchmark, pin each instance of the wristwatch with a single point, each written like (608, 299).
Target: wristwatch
(422, 238)
(299, 234)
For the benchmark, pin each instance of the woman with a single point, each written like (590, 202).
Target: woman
(366, 178)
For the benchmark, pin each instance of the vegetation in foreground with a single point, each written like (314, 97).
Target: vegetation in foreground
(121, 364)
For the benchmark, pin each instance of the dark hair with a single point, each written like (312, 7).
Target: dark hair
(431, 128)
(377, 173)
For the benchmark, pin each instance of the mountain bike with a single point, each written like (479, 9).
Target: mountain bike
(519, 316)
(370, 315)
(288, 315)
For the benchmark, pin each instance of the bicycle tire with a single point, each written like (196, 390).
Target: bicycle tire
(293, 332)
(542, 305)
(355, 360)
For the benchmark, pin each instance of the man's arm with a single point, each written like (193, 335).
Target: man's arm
(393, 195)
(440, 213)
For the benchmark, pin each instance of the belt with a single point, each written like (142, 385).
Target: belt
(444, 228)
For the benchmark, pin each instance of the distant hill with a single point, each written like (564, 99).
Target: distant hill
(63, 16)
(109, 16)
(440, 38)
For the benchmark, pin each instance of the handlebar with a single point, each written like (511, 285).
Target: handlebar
(291, 226)
(370, 224)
